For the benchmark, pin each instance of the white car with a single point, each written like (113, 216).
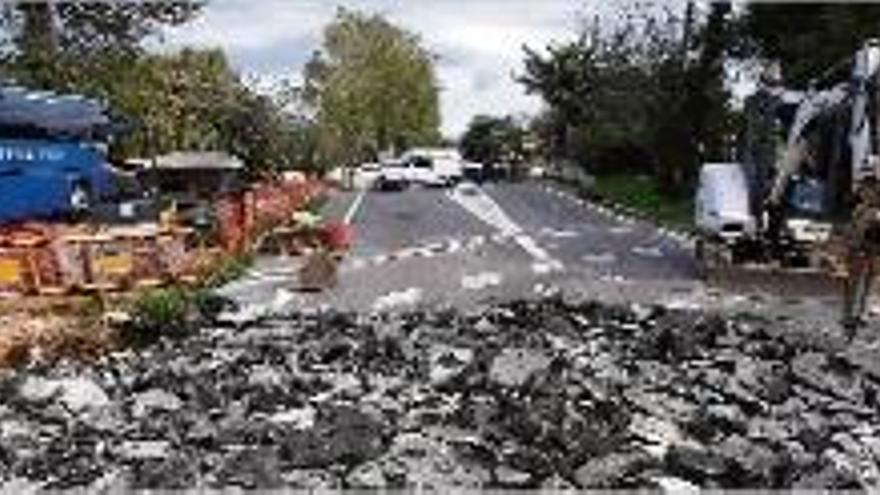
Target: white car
(434, 166)
(394, 175)
(421, 170)
(366, 175)
(336, 174)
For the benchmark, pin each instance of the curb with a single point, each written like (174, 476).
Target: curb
(620, 212)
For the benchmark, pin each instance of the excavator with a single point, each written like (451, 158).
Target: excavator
(803, 196)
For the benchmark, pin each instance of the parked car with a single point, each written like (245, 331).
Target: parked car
(421, 170)
(473, 171)
(434, 166)
(394, 176)
(366, 175)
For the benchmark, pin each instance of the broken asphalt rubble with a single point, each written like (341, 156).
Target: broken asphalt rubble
(532, 394)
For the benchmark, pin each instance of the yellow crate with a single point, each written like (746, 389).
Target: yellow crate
(10, 271)
(114, 265)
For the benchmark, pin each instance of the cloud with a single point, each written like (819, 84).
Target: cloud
(478, 42)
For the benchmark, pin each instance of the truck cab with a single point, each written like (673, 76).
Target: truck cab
(53, 154)
(44, 178)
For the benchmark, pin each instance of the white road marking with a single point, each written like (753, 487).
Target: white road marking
(558, 234)
(355, 205)
(616, 278)
(406, 297)
(482, 206)
(603, 258)
(648, 252)
(545, 267)
(406, 253)
(476, 242)
(545, 290)
(453, 246)
(259, 279)
(358, 263)
(480, 281)
(283, 297)
(620, 230)
(425, 253)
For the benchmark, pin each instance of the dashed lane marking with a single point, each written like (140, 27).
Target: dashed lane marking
(450, 246)
(480, 281)
(408, 297)
(353, 209)
(648, 251)
(600, 259)
(683, 238)
(620, 230)
(558, 234)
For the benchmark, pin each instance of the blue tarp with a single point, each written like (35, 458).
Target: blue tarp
(52, 113)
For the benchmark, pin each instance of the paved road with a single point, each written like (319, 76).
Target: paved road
(472, 245)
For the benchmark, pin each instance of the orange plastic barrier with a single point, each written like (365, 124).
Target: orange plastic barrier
(55, 259)
(338, 236)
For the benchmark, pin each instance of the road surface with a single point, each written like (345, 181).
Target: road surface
(473, 245)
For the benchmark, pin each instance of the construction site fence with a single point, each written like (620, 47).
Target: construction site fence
(57, 259)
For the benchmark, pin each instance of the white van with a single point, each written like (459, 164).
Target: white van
(722, 203)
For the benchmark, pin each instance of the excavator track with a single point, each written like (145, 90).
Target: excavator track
(825, 279)
(783, 282)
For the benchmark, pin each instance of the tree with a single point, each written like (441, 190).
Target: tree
(374, 88)
(807, 38)
(647, 95)
(189, 100)
(492, 139)
(52, 42)
(194, 100)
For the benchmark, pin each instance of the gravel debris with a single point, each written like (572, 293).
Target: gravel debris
(539, 394)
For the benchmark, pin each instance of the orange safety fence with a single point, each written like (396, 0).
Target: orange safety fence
(54, 259)
(244, 217)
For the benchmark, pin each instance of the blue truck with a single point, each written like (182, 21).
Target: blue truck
(53, 154)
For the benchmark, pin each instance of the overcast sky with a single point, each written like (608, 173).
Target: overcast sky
(478, 42)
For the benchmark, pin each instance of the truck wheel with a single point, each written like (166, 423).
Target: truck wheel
(80, 199)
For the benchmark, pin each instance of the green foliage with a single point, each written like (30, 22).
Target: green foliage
(49, 40)
(807, 38)
(373, 86)
(208, 304)
(643, 194)
(228, 269)
(493, 139)
(635, 97)
(171, 312)
(159, 313)
(317, 204)
(189, 100)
